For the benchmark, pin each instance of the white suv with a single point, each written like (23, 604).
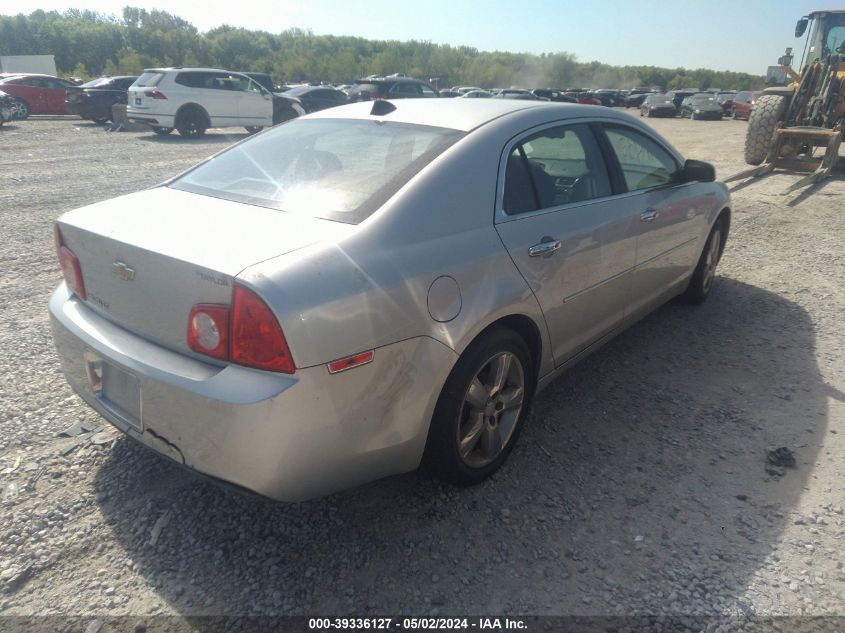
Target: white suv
(192, 100)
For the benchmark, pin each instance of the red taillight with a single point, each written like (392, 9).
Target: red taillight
(70, 266)
(154, 94)
(208, 330)
(256, 336)
(248, 333)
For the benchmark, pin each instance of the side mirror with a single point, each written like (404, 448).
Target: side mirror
(801, 27)
(698, 171)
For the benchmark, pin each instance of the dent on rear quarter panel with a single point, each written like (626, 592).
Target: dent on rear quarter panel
(370, 288)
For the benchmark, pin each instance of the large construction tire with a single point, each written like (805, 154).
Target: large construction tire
(769, 110)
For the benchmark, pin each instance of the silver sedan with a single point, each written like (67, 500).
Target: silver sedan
(376, 286)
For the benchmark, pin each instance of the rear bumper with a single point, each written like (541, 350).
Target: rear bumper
(284, 437)
(149, 118)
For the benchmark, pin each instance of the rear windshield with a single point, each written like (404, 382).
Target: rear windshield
(336, 169)
(96, 82)
(148, 80)
(701, 99)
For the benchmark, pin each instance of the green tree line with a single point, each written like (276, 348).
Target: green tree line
(89, 44)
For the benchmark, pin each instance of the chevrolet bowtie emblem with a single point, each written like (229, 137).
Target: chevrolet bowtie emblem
(123, 271)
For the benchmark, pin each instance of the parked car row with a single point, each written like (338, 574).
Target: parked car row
(191, 100)
(697, 105)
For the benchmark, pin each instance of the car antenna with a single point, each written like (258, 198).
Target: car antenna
(381, 107)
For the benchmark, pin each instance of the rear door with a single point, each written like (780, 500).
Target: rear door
(572, 241)
(29, 89)
(214, 92)
(671, 217)
(54, 95)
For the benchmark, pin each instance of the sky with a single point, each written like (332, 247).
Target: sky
(740, 35)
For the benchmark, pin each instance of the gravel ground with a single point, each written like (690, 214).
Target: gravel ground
(640, 484)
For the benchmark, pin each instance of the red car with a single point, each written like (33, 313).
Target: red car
(743, 103)
(36, 94)
(587, 98)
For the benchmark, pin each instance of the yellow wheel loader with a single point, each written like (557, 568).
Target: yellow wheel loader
(799, 127)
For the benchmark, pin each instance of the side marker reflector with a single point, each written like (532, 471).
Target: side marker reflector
(342, 364)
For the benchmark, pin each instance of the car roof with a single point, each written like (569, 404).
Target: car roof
(21, 75)
(461, 114)
(191, 70)
(389, 79)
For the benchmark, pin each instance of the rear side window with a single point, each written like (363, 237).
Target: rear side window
(333, 169)
(406, 89)
(148, 80)
(195, 80)
(557, 166)
(644, 163)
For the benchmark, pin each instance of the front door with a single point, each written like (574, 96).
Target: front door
(255, 106)
(670, 218)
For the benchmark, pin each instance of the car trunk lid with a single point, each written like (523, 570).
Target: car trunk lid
(149, 257)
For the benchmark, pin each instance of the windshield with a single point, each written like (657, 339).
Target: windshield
(336, 169)
(704, 99)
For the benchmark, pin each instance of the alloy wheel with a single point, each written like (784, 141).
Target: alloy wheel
(712, 260)
(491, 408)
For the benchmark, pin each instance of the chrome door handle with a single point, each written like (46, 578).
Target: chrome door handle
(648, 216)
(544, 248)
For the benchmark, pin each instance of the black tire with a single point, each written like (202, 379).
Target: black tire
(20, 110)
(703, 277)
(451, 414)
(100, 119)
(254, 129)
(191, 123)
(163, 131)
(769, 110)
